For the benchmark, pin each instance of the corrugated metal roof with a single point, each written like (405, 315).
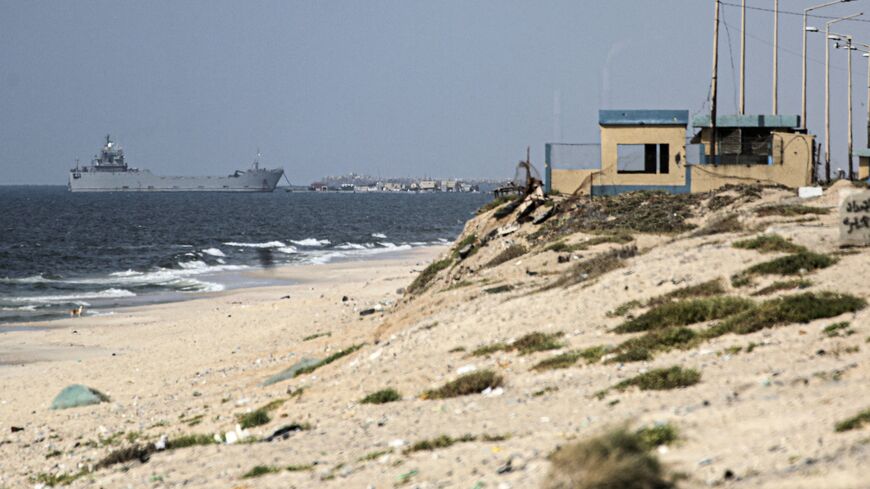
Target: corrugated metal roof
(643, 117)
(749, 120)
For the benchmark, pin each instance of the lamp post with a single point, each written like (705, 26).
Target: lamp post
(804, 65)
(742, 106)
(775, 55)
(849, 48)
(828, 25)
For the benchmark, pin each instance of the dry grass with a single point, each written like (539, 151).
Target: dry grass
(591, 355)
(473, 383)
(662, 379)
(510, 253)
(729, 223)
(593, 267)
(783, 285)
(382, 396)
(615, 460)
(704, 289)
(428, 274)
(643, 347)
(530, 343)
(330, 359)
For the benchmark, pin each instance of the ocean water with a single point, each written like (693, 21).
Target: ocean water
(59, 250)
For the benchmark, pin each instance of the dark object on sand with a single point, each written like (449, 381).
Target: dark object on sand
(16, 429)
(366, 312)
(284, 432)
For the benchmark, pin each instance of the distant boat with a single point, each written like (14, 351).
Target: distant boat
(108, 172)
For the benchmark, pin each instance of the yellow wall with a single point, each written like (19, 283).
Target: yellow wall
(792, 166)
(863, 168)
(567, 181)
(611, 136)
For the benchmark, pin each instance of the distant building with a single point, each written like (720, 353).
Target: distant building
(648, 150)
(863, 155)
(428, 186)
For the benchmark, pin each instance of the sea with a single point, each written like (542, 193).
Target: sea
(103, 251)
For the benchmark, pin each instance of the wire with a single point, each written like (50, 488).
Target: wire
(789, 51)
(733, 71)
(786, 12)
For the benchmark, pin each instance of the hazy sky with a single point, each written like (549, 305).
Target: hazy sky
(406, 88)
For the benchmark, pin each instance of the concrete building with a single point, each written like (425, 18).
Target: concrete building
(648, 150)
(863, 155)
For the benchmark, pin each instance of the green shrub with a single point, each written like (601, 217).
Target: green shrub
(838, 329)
(799, 308)
(472, 383)
(685, 312)
(529, 343)
(185, 441)
(594, 267)
(662, 379)
(615, 460)
(494, 203)
(789, 210)
(382, 397)
(801, 262)
(568, 359)
(643, 347)
(471, 239)
(326, 361)
(258, 417)
(853, 423)
(260, 470)
(428, 275)
(769, 243)
(783, 285)
(658, 435)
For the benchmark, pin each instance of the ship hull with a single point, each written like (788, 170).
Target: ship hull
(145, 181)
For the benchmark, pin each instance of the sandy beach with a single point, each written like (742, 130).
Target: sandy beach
(762, 414)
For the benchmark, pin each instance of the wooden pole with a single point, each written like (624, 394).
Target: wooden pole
(714, 83)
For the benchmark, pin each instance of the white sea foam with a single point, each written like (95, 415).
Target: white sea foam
(71, 298)
(310, 242)
(269, 244)
(214, 252)
(35, 279)
(379, 235)
(350, 246)
(127, 273)
(387, 244)
(193, 265)
(288, 250)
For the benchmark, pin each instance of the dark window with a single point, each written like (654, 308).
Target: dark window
(643, 158)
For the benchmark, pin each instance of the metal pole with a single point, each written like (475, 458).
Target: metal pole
(714, 83)
(775, 54)
(868, 102)
(849, 154)
(804, 76)
(827, 104)
(742, 106)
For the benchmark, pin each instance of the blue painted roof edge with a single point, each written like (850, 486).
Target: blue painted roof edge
(749, 120)
(865, 152)
(640, 117)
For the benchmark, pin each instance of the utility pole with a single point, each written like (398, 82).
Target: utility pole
(742, 106)
(775, 54)
(828, 91)
(849, 154)
(714, 82)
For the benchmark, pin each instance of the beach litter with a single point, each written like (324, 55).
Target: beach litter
(76, 395)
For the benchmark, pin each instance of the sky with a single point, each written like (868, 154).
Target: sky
(452, 88)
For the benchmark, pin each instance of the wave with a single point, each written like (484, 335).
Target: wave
(310, 242)
(379, 235)
(288, 250)
(350, 246)
(268, 244)
(214, 252)
(70, 298)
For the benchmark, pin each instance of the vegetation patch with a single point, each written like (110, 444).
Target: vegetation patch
(853, 423)
(801, 262)
(428, 274)
(258, 417)
(685, 312)
(445, 441)
(838, 329)
(185, 441)
(471, 239)
(643, 347)
(495, 203)
(593, 267)
(729, 223)
(783, 285)
(530, 343)
(658, 435)
(789, 210)
(662, 379)
(799, 308)
(472, 383)
(63, 479)
(260, 470)
(316, 335)
(499, 289)
(705, 289)
(331, 358)
(591, 355)
(769, 243)
(511, 252)
(617, 459)
(382, 396)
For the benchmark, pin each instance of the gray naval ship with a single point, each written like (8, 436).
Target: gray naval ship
(108, 172)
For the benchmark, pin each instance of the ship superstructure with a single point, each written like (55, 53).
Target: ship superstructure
(109, 172)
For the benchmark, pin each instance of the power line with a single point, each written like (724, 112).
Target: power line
(786, 12)
(733, 71)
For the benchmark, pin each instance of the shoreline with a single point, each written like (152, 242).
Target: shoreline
(274, 276)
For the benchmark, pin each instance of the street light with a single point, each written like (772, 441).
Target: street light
(804, 66)
(828, 25)
(848, 46)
